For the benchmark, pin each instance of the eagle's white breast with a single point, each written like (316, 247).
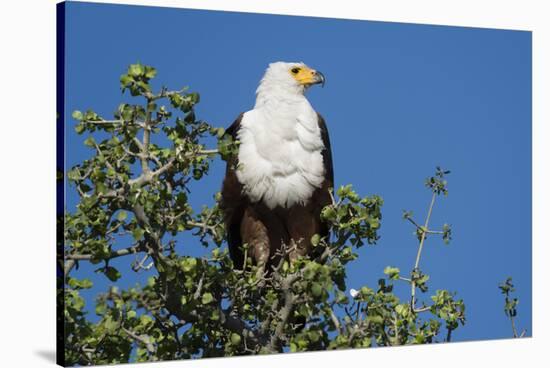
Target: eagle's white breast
(280, 161)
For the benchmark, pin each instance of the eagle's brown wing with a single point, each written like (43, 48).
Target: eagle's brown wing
(324, 198)
(233, 203)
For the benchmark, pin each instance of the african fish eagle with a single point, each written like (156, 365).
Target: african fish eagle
(276, 186)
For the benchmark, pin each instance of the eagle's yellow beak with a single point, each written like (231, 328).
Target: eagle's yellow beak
(307, 76)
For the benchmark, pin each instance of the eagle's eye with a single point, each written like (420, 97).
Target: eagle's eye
(295, 70)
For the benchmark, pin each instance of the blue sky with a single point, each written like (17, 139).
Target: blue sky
(399, 100)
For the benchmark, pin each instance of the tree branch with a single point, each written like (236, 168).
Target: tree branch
(146, 140)
(114, 254)
(420, 247)
(284, 313)
(144, 339)
(72, 258)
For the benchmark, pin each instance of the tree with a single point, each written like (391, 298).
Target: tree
(134, 201)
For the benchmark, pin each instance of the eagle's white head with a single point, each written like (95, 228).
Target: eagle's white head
(285, 80)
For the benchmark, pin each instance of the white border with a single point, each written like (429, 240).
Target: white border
(27, 151)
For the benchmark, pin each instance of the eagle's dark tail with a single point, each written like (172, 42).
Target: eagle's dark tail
(235, 248)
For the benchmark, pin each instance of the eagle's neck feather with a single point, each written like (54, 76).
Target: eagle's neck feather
(274, 92)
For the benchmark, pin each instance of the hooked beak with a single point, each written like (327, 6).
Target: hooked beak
(319, 78)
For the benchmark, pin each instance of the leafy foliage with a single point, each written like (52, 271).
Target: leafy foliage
(510, 304)
(134, 201)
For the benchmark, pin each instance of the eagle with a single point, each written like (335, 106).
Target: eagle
(277, 185)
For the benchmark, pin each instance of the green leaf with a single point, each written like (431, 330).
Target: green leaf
(136, 70)
(90, 141)
(150, 72)
(366, 291)
(194, 97)
(402, 310)
(293, 347)
(79, 129)
(73, 174)
(100, 309)
(112, 273)
(144, 86)
(220, 132)
(392, 272)
(285, 266)
(344, 190)
(316, 289)
(122, 215)
(77, 115)
(329, 213)
(126, 80)
(137, 233)
(376, 319)
(145, 320)
(207, 298)
(80, 284)
(188, 264)
(235, 339)
(315, 239)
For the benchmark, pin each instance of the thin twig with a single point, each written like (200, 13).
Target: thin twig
(420, 247)
(513, 326)
(144, 339)
(140, 265)
(113, 254)
(449, 332)
(423, 237)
